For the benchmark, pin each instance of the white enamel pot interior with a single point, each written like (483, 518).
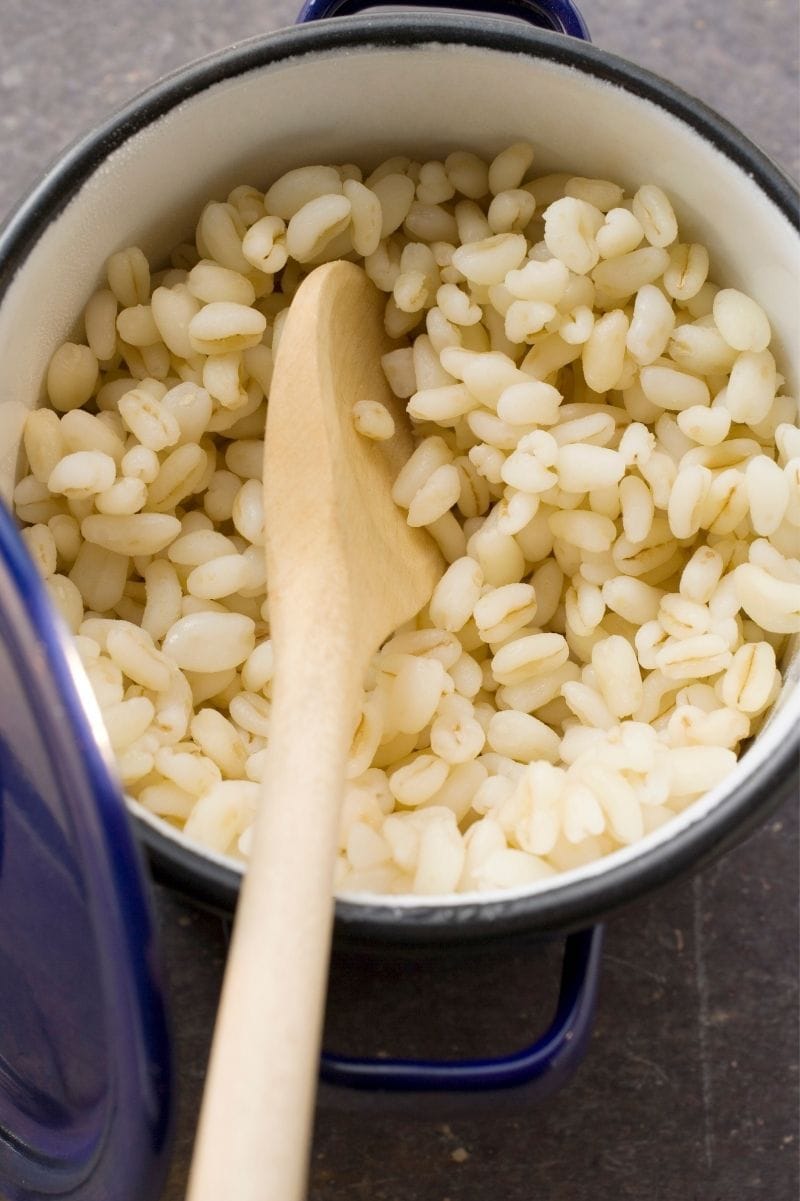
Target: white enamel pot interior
(362, 89)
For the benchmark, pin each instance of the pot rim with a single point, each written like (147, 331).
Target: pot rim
(576, 902)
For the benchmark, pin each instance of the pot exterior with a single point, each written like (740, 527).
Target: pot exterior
(474, 62)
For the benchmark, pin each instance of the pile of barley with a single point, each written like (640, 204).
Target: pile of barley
(604, 456)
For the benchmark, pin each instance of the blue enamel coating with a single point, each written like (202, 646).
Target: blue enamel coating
(544, 1067)
(559, 15)
(85, 1070)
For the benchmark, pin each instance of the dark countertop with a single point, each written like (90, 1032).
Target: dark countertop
(689, 1089)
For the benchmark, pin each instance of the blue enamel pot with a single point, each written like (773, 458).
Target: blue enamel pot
(85, 1075)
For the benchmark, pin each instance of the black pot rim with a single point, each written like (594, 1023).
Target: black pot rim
(574, 903)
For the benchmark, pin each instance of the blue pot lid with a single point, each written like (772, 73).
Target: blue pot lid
(85, 1076)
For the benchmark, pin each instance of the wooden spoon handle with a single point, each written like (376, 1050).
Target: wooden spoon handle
(255, 1126)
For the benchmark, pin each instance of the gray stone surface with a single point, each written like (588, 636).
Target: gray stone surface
(690, 1086)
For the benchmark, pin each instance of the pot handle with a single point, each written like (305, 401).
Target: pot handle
(560, 16)
(546, 1065)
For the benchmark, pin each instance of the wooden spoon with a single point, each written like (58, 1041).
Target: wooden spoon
(344, 571)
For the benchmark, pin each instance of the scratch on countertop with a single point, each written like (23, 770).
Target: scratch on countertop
(701, 976)
(632, 965)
